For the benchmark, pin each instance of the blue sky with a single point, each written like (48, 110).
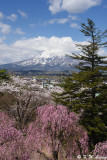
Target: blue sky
(29, 27)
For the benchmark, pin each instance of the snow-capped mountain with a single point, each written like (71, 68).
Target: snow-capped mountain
(44, 62)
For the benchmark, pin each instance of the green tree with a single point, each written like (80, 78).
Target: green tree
(85, 91)
(4, 75)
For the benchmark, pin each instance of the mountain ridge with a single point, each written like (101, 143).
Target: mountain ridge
(43, 62)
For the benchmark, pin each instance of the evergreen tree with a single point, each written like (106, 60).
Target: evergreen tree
(4, 75)
(85, 92)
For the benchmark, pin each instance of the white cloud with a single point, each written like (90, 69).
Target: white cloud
(28, 48)
(5, 28)
(19, 31)
(23, 14)
(59, 21)
(12, 17)
(1, 15)
(68, 19)
(2, 39)
(73, 17)
(74, 25)
(72, 6)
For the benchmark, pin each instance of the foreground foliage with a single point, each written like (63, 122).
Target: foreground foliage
(19, 99)
(11, 140)
(54, 135)
(58, 131)
(85, 92)
(4, 75)
(54, 130)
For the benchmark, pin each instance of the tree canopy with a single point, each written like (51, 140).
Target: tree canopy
(4, 75)
(85, 91)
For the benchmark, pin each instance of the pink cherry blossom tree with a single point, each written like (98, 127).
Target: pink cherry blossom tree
(12, 146)
(101, 149)
(22, 105)
(55, 135)
(57, 131)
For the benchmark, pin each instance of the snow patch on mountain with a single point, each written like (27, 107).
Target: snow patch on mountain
(46, 61)
(49, 59)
